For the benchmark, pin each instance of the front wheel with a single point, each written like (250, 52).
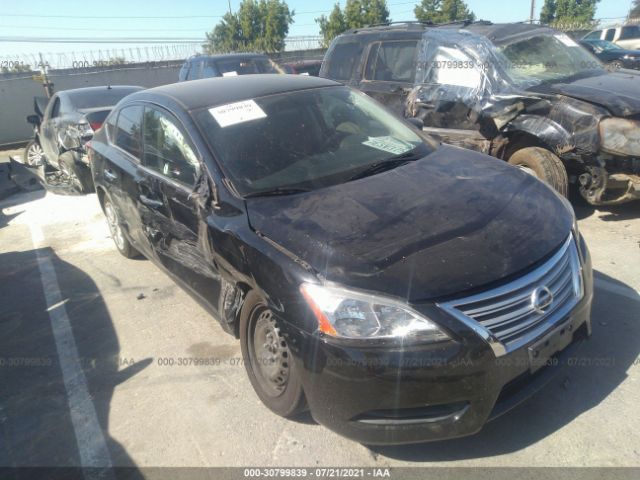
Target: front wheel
(544, 165)
(267, 359)
(115, 229)
(33, 154)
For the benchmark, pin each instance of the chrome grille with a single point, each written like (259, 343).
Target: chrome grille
(507, 316)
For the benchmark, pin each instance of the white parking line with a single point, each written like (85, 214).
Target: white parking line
(92, 445)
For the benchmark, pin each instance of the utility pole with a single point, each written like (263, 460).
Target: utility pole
(230, 7)
(533, 11)
(48, 86)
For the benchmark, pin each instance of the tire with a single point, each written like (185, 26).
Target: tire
(544, 165)
(115, 229)
(33, 154)
(277, 383)
(78, 173)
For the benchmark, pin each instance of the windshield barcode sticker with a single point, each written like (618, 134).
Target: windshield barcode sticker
(388, 144)
(239, 112)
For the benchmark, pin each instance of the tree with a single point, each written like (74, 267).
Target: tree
(356, 14)
(443, 11)
(635, 9)
(568, 11)
(259, 25)
(548, 12)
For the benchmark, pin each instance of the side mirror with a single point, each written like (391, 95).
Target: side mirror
(33, 120)
(416, 122)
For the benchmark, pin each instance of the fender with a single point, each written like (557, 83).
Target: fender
(546, 130)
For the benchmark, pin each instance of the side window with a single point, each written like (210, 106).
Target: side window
(610, 34)
(166, 149)
(392, 62)
(110, 126)
(209, 70)
(629, 32)
(195, 70)
(453, 67)
(343, 60)
(128, 130)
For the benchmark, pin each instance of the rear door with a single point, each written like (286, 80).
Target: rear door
(172, 168)
(389, 72)
(120, 172)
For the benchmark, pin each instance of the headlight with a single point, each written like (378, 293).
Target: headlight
(353, 315)
(620, 136)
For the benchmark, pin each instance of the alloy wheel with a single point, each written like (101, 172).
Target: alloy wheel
(114, 225)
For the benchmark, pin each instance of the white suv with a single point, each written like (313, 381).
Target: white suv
(627, 36)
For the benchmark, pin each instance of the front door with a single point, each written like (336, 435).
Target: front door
(389, 73)
(173, 222)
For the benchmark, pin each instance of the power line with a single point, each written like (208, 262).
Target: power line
(134, 40)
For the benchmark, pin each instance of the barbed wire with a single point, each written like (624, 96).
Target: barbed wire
(133, 54)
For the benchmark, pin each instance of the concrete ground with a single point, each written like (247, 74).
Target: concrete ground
(87, 336)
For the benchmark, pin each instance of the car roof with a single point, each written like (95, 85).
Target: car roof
(496, 32)
(88, 90)
(226, 56)
(222, 90)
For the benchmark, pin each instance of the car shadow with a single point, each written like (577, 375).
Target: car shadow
(38, 405)
(602, 365)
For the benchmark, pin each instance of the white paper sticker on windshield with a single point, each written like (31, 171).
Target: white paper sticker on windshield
(238, 112)
(566, 39)
(230, 74)
(388, 144)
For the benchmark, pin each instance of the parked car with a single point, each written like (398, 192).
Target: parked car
(626, 36)
(227, 65)
(303, 67)
(64, 123)
(523, 93)
(612, 55)
(370, 274)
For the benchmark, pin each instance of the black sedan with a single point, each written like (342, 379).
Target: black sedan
(64, 123)
(400, 290)
(611, 54)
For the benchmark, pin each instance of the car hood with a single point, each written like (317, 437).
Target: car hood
(619, 92)
(449, 223)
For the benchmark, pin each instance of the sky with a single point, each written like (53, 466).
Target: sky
(190, 19)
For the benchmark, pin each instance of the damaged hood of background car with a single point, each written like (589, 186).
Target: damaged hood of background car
(619, 92)
(451, 222)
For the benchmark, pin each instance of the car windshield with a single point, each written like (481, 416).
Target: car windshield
(305, 139)
(604, 45)
(545, 58)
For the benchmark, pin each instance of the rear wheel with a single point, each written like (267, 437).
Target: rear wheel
(33, 154)
(544, 165)
(115, 229)
(267, 359)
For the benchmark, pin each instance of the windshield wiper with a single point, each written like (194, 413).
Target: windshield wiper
(276, 192)
(388, 164)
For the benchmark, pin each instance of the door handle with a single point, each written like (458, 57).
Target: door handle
(150, 202)
(109, 175)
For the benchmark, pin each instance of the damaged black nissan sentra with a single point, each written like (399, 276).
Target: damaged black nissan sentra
(400, 290)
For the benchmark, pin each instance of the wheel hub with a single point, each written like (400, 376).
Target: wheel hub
(271, 354)
(114, 225)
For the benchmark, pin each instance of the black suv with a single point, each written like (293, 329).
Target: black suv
(523, 93)
(227, 65)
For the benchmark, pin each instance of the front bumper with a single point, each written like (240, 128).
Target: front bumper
(429, 392)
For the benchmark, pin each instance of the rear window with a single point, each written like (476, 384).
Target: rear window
(344, 57)
(99, 98)
(629, 32)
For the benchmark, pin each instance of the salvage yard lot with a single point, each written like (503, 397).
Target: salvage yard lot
(143, 346)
